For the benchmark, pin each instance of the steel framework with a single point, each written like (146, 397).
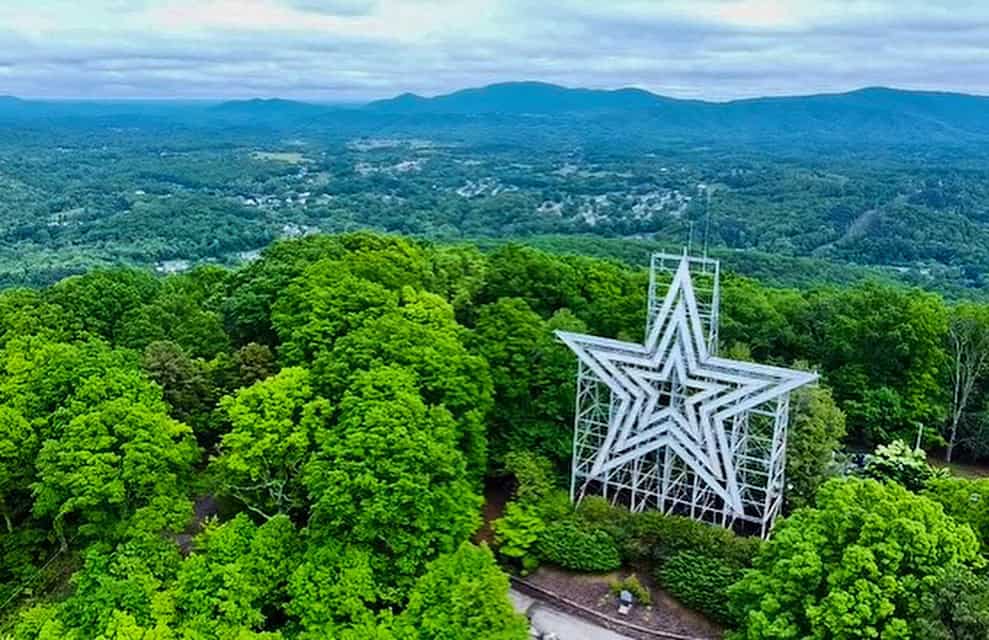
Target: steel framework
(668, 424)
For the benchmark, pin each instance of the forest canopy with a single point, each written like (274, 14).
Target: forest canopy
(296, 448)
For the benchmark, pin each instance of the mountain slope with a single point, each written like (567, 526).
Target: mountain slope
(268, 109)
(875, 113)
(526, 97)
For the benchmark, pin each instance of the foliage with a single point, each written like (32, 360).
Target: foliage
(572, 547)
(656, 537)
(857, 565)
(964, 500)
(897, 462)
(958, 608)
(18, 446)
(344, 392)
(421, 336)
(533, 378)
(389, 475)
(701, 582)
(463, 596)
(534, 476)
(814, 434)
(695, 562)
(518, 532)
(116, 451)
(632, 585)
(332, 588)
(186, 385)
(882, 351)
(273, 426)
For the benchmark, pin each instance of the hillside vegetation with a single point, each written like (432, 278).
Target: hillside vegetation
(296, 449)
(876, 181)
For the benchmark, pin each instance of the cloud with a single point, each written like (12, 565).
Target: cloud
(362, 49)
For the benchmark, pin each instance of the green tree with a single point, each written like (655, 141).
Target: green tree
(760, 318)
(858, 565)
(389, 477)
(422, 337)
(176, 317)
(874, 337)
(97, 302)
(964, 500)
(238, 577)
(610, 297)
(463, 596)
(18, 448)
(185, 383)
(38, 377)
(533, 377)
(545, 282)
(457, 273)
(26, 312)
(897, 462)
(968, 349)
(332, 589)
(273, 425)
(816, 428)
(326, 302)
(958, 609)
(115, 451)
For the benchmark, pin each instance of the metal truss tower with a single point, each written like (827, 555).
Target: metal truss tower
(668, 424)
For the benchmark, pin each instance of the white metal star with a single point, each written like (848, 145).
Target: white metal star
(671, 392)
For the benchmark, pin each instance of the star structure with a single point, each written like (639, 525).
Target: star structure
(671, 392)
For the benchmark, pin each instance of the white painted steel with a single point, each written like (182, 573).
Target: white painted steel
(670, 425)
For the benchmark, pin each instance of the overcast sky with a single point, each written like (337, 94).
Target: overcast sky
(360, 49)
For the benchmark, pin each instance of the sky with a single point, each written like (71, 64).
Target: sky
(356, 50)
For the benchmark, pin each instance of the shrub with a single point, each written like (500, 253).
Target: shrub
(701, 582)
(655, 537)
(897, 462)
(595, 512)
(633, 586)
(516, 535)
(571, 547)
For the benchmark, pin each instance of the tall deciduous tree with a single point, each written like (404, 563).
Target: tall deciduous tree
(958, 609)
(882, 352)
(533, 379)
(423, 338)
(968, 342)
(115, 451)
(273, 425)
(18, 448)
(97, 302)
(816, 429)
(389, 477)
(857, 565)
(326, 302)
(463, 596)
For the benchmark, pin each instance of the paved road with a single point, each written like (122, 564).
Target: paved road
(545, 618)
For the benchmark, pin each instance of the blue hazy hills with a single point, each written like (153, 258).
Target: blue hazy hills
(874, 114)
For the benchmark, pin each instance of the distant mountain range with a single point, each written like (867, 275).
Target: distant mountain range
(527, 97)
(870, 115)
(874, 113)
(870, 107)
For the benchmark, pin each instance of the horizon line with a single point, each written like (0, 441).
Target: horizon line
(396, 94)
